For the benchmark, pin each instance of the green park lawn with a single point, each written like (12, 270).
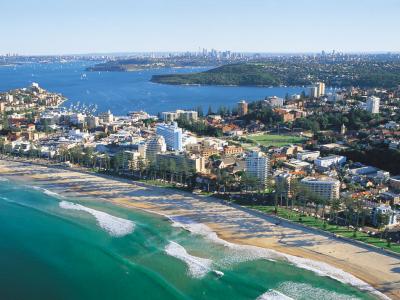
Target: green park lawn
(275, 140)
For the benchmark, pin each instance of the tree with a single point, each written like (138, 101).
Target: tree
(334, 208)
(209, 111)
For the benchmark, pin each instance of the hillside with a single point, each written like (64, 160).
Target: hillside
(233, 74)
(364, 74)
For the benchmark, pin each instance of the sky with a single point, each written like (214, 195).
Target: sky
(100, 26)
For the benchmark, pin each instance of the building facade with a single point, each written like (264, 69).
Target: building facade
(243, 108)
(373, 104)
(257, 165)
(153, 147)
(172, 135)
(181, 163)
(326, 188)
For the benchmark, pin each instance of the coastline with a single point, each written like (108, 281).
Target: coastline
(230, 222)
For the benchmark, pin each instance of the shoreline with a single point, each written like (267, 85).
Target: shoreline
(231, 223)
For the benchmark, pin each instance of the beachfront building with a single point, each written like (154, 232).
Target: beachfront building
(257, 165)
(129, 160)
(372, 104)
(243, 108)
(172, 135)
(170, 116)
(326, 188)
(377, 213)
(153, 147)
(177, 162)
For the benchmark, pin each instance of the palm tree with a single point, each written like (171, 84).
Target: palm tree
(334, 208)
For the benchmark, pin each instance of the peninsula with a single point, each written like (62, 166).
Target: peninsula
(368, 72)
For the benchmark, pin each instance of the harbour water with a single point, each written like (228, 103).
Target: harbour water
(128, 91)
(53, 247)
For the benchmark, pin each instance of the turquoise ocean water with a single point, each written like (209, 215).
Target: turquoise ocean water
(53, 247)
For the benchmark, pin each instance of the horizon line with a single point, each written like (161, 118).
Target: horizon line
(124, 53)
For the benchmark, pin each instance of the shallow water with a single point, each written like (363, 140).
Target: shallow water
(59, 248)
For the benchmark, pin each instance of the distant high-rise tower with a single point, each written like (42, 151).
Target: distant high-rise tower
(321, 88)
(243, 108)
(317, 90)
(373, 104)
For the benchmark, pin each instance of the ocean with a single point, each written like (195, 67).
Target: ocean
(129, 91)
(54, 247)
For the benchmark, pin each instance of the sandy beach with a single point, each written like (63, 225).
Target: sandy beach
(304, 247)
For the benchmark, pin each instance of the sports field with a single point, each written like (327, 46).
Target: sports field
(275, 140)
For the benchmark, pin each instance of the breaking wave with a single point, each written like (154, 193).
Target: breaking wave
(197, 266)
(240, 253)
(115, 226)
(273, 295)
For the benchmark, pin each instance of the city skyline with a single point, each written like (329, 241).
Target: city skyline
(307, 26)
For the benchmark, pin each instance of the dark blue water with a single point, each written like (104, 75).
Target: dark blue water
(127, 91)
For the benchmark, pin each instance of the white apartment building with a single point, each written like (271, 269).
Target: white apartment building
(274, 101)
(327, 188)
(317, 90)
(153, 146)
(257, 165)
(189, 115)
(308, 155)
(329, 161)
(372, 104)
(172, 135)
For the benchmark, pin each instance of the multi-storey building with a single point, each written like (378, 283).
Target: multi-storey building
(308, 155)
(326, 188)
(243, 108)
(274, 101)
(170, 116)
(176, 162)
(373, 104)
(257, 165)
(153, 147)
(172, 135)
(329, 161)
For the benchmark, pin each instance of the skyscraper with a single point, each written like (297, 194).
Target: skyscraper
(257, 165)
(172, 135)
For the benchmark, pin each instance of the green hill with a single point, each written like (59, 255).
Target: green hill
(233, 74)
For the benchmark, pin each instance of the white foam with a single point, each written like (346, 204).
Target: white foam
(274, 295)
(242, 253)
(4, 179)
(197, 267)
(307, 291)
(50, 193)
(47, 192)
(115, 226)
